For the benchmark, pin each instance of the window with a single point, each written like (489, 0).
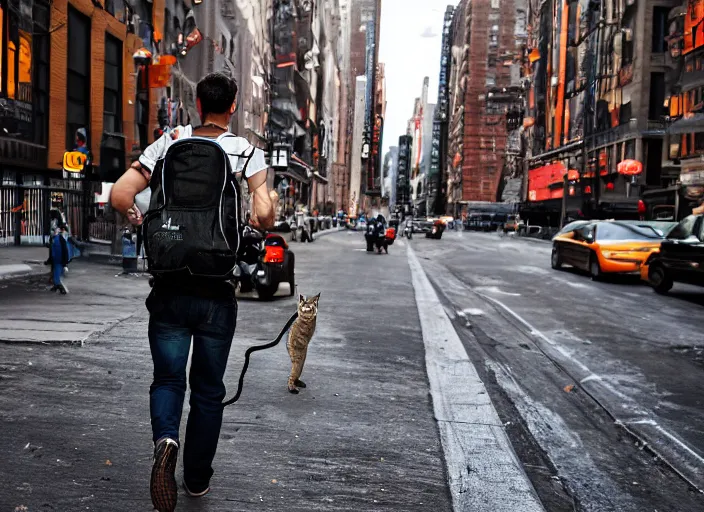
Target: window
(657, 96)
(78, 76)
(24, 67)
(18, 60)
(659, 29)
(112, 99)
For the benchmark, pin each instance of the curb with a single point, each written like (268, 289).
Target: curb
(20, 270)
(484, 472)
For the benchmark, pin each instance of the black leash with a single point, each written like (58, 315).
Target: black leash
(255, 348)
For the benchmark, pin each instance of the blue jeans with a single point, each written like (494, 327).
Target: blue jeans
(56, 272)
(173, 320)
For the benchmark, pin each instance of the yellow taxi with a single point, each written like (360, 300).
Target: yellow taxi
(606, 247)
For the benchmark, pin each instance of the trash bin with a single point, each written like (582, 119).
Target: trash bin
(129, 252)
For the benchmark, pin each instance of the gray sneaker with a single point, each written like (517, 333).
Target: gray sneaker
(163, 482)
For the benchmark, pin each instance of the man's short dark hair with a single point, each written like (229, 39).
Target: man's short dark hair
(217, 93)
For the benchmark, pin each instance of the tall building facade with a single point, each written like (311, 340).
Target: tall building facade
(71, 69)
(420, 127)
(596, 116)
(486, 49)
(684, 148)
(436, 186)
(365, 17)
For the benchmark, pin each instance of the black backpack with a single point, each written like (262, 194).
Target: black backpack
(194, 222)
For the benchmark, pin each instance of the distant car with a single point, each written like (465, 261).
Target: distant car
(601, 247)
(511, 223)
(680, 258)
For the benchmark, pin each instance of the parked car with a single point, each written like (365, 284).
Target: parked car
(680, 258)
(601, 247)
(497, 221)
(511, 223)
(473, 222)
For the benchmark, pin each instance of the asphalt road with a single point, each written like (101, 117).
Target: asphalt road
(75, 423)
(581, 371)
(489, 380)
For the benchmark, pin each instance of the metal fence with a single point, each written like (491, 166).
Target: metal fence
(28, 212)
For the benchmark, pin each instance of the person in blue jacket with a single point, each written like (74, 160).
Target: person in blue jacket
(59, 259)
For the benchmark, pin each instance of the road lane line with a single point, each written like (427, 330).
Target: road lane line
(484, 472)
(694, 475)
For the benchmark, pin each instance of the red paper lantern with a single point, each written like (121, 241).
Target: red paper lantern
(630, 168)
(610, 186)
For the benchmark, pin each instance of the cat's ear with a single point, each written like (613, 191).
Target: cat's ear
(317, 299)
(301, 299)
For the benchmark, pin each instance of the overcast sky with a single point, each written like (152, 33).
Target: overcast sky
(410, 48)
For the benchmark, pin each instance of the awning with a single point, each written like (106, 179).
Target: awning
(293, 174)
(689, 125)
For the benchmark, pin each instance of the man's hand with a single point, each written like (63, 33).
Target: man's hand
(698, 210)
(135, 216)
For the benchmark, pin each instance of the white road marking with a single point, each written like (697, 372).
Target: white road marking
(495, 289)
(484, 472)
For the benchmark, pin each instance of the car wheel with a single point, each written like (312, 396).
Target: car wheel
(267, 292)
(659, 280)
(595, 268)
(556, 259)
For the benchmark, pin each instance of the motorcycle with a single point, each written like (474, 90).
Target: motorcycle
(379, 237)
(408, 230)
(265, 263)
(436, 231)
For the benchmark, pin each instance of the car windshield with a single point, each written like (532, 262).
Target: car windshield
(663, 228)
(610, 232)
(684, 229)
(572, 226)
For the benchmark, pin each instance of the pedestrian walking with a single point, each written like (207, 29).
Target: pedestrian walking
(182, 306)
(58, 258)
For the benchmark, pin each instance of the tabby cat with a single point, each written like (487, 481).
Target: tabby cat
(300, 335)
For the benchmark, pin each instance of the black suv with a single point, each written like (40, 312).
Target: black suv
(681, 256)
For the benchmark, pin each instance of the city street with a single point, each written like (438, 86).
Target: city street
(461, 373)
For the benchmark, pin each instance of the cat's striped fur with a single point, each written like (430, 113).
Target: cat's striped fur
(300, 335)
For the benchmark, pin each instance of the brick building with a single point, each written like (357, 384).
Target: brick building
(68, 65)
(484, 48)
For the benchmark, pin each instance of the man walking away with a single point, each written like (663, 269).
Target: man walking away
(59, 258)
(182, 306)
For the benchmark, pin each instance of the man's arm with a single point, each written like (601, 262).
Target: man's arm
(263, 202)
(131, 183)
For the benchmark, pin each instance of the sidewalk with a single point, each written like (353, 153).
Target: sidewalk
(22, 261)
(361, 436)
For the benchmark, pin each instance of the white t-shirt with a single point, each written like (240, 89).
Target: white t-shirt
(244, 157)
